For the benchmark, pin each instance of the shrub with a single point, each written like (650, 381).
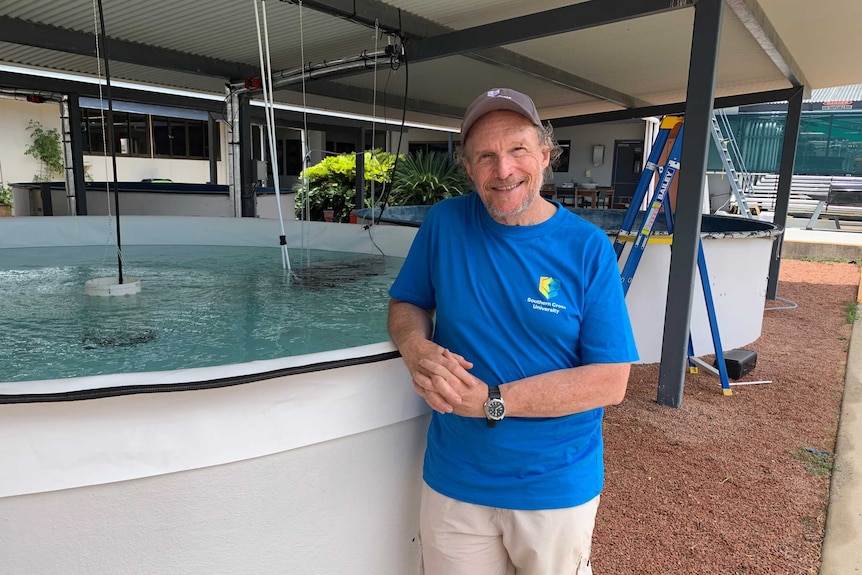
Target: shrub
(45, 147)
(5, 194)
(332, 184)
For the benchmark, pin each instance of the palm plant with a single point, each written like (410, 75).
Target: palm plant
(425, 179)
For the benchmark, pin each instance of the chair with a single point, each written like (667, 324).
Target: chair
(566, 195)
(605, 198)
(548, 191)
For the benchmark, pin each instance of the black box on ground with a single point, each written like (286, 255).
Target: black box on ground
(738, 362)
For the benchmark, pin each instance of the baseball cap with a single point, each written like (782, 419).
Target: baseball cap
(499, 99)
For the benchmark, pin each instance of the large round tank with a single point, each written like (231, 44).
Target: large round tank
(307, 464)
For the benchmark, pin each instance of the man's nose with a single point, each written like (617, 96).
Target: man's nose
(503, 166)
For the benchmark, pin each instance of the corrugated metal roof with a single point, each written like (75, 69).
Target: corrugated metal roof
(645, 59)
(852, 93)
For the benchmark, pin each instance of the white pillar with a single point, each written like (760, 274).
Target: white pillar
(234, 156)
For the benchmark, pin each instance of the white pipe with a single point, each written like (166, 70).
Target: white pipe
(270, 121)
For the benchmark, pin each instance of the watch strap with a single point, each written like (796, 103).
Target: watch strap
(493, 394)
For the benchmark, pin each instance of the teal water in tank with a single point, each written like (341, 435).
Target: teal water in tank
(199, 306)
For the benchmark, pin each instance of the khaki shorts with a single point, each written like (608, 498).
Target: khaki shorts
(460, 538)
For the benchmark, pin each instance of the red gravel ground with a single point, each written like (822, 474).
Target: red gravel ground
(719, 486)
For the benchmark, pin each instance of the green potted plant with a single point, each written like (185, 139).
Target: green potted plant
(331, 187)
(5, 199)
(45, 147)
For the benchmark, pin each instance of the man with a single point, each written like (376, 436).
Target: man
(510, 316)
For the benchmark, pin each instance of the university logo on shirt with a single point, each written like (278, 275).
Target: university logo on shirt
(549, 287)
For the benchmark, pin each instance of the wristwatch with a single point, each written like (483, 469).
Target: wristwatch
(495, 409)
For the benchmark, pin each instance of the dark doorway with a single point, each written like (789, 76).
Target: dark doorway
(628, 165)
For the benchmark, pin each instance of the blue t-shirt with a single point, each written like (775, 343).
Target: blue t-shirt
(517, 301)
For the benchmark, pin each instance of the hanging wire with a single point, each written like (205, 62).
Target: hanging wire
(396, 57)
(304, 230)
(96, 35)
(373, 155)
(269, 114)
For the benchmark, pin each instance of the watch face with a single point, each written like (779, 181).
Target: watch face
(495, 409)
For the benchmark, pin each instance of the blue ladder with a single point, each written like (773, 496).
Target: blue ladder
(661, 200)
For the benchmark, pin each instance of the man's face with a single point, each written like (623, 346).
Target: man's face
(503, 157)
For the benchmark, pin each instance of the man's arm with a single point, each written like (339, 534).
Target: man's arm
(567, 391)
(551, 394)
(445, 379)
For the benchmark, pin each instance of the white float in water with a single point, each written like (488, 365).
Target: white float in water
(111, 286)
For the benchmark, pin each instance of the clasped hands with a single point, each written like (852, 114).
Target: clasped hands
(441, 378)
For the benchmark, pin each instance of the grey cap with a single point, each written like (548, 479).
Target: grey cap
(499, 99)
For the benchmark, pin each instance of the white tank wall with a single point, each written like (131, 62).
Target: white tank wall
(348, 505)
(312, 473)
(738, 270)
(28, 202)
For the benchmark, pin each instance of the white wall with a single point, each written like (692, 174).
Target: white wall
(137, 169)
(14, 137)
(583, 138)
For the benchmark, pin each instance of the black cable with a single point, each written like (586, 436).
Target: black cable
(386, 192)
(110, 122)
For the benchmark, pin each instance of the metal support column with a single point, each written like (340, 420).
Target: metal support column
(76, 142)
(359, 200)
(785, 176)
(695, 146)
(450, 147)
(360, 181)
(234, 178)
(213, 135)
(246, 165)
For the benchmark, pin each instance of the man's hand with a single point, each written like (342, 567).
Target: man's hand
(439, 375)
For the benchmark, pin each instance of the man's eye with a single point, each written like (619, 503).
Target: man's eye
(519, 151)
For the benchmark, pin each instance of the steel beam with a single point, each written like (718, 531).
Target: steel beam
(25, 33)
(365, 95)
(414, 29)
(703, 63)
(63, 86)
(761, 29)
(673, 109)
(539, 25)
(785, 177)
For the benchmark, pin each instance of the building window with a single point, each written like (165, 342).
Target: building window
(427, 147)
(131, 133)
(180, 138)
(146, 136)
